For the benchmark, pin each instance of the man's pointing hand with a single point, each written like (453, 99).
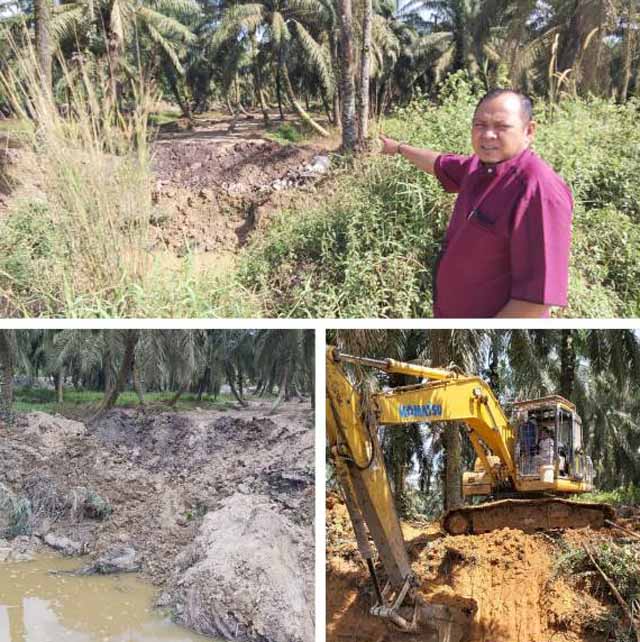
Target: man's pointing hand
(389, 146)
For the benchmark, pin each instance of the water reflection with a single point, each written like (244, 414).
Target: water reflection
(36, 606)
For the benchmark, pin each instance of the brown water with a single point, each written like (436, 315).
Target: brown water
(36, 606)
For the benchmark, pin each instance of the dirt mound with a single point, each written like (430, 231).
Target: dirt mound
(241, 577)
(245, 166)
(212, 192)
(154, 477)
(511, 575)
(52, 431)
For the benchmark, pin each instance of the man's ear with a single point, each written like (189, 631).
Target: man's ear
(531, 131)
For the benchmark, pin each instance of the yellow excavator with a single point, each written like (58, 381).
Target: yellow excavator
(523, 467)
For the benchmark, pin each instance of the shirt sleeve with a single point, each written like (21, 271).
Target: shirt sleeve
(540, 244)
(450, 170)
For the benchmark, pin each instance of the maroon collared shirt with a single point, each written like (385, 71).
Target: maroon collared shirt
(508, 238)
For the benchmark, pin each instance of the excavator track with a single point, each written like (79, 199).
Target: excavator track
(527, 515)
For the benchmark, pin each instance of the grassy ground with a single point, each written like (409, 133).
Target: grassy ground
(75, 243)
(78, 403)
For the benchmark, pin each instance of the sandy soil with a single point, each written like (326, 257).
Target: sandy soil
(510, 574)
(163, 474)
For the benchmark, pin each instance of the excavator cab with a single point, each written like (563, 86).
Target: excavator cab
(548, 446)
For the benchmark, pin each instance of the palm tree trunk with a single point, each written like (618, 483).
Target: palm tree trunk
(304, 116)
(264, 107)
(128, 360)
(365, 63)
(453, 476)
(238, 98)
(334, 64)
(347, 85)
(174, 400)
(453, 438)
(8, 357)
(282, 392)
(279, 87)
(113, 56)
(183, 101)
(42, 15)
(234, 390)
(60, 386)
(137, 384)
(628, 50)
(567, 364)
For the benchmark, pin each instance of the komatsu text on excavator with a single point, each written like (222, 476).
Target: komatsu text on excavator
(524, 466)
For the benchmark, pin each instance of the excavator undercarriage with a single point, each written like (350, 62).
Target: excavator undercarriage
(529, 515)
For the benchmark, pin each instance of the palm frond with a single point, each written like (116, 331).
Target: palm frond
(165, 26)
(317, 55)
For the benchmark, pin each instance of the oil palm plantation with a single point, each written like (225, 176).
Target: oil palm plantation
(111, 28)
(277, 32)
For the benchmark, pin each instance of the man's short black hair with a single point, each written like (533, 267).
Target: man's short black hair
(526, 103)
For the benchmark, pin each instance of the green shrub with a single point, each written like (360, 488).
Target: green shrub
(288, 133)
(623, 496)
(96, 506)
(16, 512)
(620, 564)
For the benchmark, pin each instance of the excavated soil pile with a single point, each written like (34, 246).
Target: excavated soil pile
(510, 574)
(212, 192)
(193, 495)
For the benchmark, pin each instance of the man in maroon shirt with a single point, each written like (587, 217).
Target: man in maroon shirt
(506, 250)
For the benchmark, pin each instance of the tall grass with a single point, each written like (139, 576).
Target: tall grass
(78, 225)
(75, 241)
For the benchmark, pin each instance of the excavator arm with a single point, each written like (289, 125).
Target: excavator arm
(357, 456)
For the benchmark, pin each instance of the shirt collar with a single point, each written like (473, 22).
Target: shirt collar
(500, 169)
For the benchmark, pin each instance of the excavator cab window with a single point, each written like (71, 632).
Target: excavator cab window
(565, 443)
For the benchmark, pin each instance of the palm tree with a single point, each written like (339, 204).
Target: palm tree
(8, 357)
(129, 339)
(282, 26)
(115, 25)
(285, 358)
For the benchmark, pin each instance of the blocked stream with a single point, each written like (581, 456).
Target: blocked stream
(37, 606)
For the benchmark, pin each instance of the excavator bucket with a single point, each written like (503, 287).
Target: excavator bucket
(443, 621)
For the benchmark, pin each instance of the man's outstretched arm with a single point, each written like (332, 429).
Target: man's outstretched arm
(424, 159)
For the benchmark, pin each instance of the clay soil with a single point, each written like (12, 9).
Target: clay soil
(511, 576)
(217, 182)
(162, 472)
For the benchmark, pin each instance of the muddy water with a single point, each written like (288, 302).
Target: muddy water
(36, 606)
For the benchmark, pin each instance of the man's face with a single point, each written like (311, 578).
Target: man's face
(499, 131)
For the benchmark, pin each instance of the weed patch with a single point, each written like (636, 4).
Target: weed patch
(619, 562)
